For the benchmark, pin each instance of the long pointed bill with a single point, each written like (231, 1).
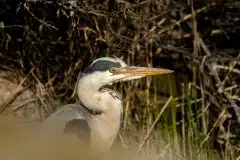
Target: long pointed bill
(141, 71)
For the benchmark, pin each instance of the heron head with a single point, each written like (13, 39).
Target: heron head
(106, 71)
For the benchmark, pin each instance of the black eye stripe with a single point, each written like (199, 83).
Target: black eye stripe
(102, 65)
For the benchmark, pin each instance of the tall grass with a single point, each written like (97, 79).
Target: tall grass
(180, 129)
(55, 40)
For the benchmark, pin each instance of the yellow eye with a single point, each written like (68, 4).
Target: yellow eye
(112, 70)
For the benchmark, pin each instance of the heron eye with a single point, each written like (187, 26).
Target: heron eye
(112, 70)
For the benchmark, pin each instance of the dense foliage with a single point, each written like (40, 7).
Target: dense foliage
(56, 39)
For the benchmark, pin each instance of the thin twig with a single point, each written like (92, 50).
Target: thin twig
(230, 69)
(210, 96)
(15, 93)
(153, 125)
(11, 98)
(154, 27)
(74, 6)
(191, 102)
(122, 140)
(219, 84)
(220, 117)
(15, 109)
(186, 17)
(231, 87)
(39, 20)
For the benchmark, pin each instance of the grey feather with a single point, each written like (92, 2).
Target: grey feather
(101, 65)
(70, 112)
(78, 128)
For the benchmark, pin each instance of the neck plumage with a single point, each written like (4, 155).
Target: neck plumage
(104, 101)
(90, 95)
(96, 98)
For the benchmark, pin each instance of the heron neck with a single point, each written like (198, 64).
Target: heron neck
(105, 101)
(89, 94)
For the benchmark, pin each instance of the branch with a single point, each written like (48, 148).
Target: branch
(227, 68)
(219, 84)
(153, 125)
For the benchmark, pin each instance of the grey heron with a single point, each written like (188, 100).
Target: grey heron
(97, 118)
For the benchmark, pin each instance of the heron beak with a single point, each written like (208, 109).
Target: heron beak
(141, 71)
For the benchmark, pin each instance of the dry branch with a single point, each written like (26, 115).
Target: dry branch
(153, 125)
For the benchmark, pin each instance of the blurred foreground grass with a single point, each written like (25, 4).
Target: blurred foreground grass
(22, 141)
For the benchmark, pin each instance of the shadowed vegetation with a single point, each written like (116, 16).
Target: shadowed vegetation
(191, 114)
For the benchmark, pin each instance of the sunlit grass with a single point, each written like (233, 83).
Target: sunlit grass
(181, 128)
